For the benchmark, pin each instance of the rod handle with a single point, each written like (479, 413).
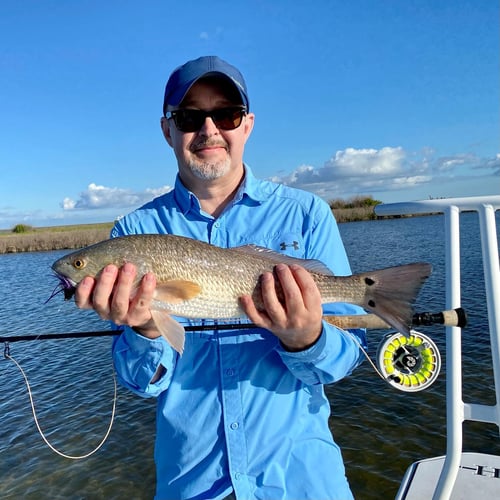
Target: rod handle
(452, 317)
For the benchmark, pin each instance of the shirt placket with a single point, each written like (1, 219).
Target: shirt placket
(232, 410)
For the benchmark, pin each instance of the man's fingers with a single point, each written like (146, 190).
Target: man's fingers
(103, 291)
(146, 291)
(274, 308)
(122, 291)
(293, 300)
(83, 293)
(140, 304)
(115, 296)
(309, 291)
(257, 317)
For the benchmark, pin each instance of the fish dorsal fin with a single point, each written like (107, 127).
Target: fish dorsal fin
(312, 265)
(176, 291)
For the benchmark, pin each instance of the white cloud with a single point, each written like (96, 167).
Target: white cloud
(492, 164)
(353, 162)
(450, 163)
(68, 204)
(366, 171)
(100, 197)
(347, 173)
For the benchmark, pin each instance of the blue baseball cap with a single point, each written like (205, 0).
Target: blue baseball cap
(185, 76)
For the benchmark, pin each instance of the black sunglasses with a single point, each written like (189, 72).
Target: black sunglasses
(191, 120)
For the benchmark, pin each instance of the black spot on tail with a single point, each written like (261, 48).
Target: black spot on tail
(391, 293)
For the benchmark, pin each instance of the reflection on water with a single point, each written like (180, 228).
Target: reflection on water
(380, 430)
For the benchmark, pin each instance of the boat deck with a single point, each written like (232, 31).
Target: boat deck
(478, 477)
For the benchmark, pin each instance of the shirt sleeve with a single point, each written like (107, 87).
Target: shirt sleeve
(137, 359)
(337, 352)
(331, 358)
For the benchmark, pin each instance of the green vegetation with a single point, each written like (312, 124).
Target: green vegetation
(53, 238)
(22, 228)
(354, 202)
(354, 209)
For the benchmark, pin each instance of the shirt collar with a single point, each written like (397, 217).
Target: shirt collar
(251, 188)
(255, 189)
(185, 199)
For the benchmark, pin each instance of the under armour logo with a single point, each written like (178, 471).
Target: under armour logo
(294, 245)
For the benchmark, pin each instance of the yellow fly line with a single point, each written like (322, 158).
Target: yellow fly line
(409, 363)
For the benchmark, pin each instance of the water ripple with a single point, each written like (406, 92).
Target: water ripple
(381, 431)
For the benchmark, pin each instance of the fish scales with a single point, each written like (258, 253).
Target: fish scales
(222, 277)
(199, 280)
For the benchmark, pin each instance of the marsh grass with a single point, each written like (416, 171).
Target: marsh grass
(354, 214)
(29, 239)
(53, 238)
(354, 209)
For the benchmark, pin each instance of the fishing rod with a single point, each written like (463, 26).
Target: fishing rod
(407, 364)
(452, 317)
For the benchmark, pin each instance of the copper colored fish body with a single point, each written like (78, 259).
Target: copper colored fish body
(199, 280)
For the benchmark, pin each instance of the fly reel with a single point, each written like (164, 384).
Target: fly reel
(409, 364)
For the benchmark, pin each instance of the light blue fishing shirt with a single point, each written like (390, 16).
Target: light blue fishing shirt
(237, 412)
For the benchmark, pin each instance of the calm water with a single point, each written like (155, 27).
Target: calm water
(381, 430)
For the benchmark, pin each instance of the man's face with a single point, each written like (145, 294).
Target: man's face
(209, 153)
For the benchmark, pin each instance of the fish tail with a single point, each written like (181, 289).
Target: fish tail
(390, 293)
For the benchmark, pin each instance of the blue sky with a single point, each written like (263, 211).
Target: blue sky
(390, 98)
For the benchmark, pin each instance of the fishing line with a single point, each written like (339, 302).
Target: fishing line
(55, 450)
(367, 356)
(408, 364)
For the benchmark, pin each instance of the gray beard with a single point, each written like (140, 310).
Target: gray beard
(209, 171)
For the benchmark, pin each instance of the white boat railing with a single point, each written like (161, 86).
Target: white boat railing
(456, 410)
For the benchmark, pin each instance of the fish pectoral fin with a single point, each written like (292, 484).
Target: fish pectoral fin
(170, 329)
(176, 291)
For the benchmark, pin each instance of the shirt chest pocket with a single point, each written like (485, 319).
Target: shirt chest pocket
(287, 243)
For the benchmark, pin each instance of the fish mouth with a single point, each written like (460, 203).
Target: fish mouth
(65, 286)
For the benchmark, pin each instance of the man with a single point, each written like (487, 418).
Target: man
(242, 413)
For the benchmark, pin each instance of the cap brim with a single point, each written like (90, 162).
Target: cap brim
(176, 97)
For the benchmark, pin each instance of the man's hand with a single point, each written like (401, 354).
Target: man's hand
(297, 322)
(112, 296)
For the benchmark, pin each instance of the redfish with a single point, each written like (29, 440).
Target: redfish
(199, 280)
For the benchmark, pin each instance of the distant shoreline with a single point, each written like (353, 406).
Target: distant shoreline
(54, 238)
(78, 236)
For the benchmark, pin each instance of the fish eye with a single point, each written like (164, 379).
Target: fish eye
(78, 263)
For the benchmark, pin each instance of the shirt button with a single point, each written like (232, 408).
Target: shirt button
(237, 476)
(230, 372)
(234, 426)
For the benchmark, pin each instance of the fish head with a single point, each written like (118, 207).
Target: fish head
(88, 261)
(76, 265)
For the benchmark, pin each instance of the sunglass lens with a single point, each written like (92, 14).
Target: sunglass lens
(227, 118)
(189, 120)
